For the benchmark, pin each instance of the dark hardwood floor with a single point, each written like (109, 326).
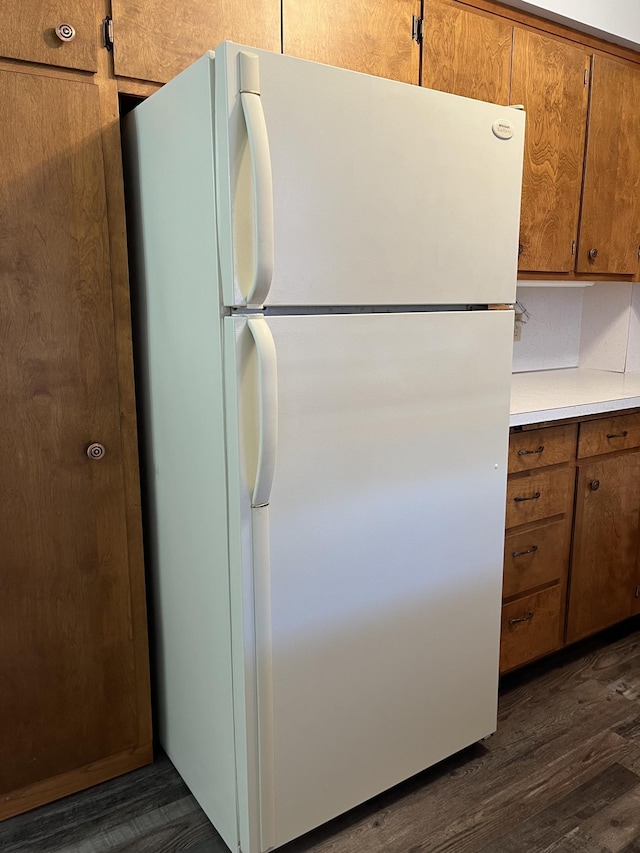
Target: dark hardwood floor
(561, 775)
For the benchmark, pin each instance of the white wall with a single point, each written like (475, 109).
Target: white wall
(614, 20)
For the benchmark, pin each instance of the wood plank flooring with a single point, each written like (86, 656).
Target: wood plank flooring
(561, 775)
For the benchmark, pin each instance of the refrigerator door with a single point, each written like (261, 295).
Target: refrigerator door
(375, 551)
(337, 188)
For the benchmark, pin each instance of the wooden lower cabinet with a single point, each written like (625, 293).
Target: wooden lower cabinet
(74, 702)
(571, 568)
(606, 541)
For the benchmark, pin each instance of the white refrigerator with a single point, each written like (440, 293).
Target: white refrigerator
(325, 403)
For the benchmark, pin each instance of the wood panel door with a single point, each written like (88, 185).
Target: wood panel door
(67, 667)
(156, 39)
(549, 78)
(610, 222)
(375, 38)
(606, 539)
(28, 31)
(466, 53)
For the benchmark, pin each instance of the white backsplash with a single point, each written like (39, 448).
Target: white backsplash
(593, 327)
(605, 326)
(633, 350)
(551, 328)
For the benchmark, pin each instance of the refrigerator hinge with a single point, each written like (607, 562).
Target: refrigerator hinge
(107, 33)
(573, 248)
(417, 28)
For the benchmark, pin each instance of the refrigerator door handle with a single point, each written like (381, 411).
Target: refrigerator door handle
(268, 409)
(262, 178)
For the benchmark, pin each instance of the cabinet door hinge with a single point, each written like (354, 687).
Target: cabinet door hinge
(573, 248)
(107, 33)
(417, 28)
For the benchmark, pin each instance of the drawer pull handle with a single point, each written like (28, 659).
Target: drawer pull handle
(618, 434)
(527, 452)
(531, 550)
(526, 618)
(532, 498)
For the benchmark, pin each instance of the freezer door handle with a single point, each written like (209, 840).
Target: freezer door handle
(267, 408)
(262, 178)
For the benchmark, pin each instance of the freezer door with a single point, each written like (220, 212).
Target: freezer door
(337, 188)
(375, 552)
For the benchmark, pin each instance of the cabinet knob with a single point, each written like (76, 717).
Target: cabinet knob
(594, 485)
(65, 32)
(95, 451)
(593, 254)
(520, 249)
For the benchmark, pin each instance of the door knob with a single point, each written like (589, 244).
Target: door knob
(95, 451)
(65, 32)
(593, 254)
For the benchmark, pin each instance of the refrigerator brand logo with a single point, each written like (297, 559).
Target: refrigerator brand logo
(502, 129)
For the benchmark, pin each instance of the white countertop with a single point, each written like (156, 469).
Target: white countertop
(548, 395)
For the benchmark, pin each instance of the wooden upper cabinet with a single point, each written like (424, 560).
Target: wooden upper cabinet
(549, 78)
(28, 31)
(610, 223)
(375, 38)
(68, 667)
(156, 39)
(466, 53)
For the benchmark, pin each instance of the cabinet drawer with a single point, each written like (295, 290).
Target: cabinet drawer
(540, 495)
(535, 557)
(608, 434)
(539, 447)
(530, 628)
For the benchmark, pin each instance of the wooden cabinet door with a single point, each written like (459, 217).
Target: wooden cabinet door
(375, 38)
(156, 39)
(549, 78)
(28, 31)
(67, 666)
(606, 539)
(610, 222)
(466, 53)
